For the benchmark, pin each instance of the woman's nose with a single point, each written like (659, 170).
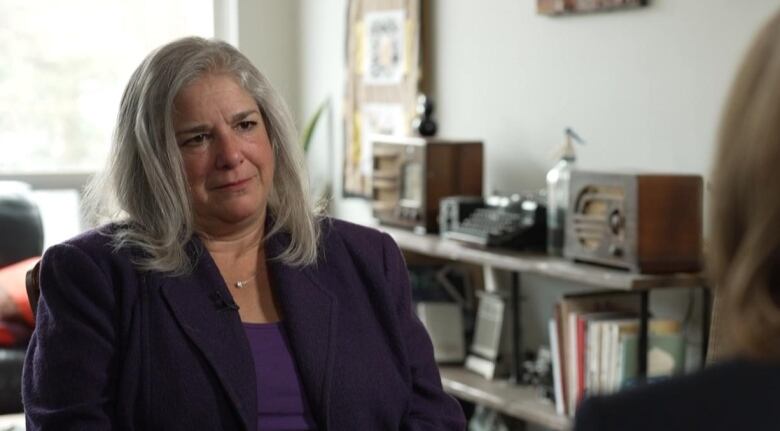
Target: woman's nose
(229, 153)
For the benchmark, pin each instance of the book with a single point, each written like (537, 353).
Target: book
(591, 349)
(579, 355)
(614, 331)
(570, 307)
(665, 353)
(561, 354)
(555, 352)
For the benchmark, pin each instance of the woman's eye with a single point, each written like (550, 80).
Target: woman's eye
(246, 125)
(195, 140)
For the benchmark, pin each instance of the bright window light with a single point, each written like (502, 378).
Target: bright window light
(64, 66)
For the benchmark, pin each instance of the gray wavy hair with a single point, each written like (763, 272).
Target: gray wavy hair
(144, 184)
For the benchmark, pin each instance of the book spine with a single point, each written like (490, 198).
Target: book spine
(581, 352)
(572, 361)
(556, 368)
(562, 352)
(593, 353)
(604, 357)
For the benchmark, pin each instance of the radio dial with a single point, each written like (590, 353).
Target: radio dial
(616, 222)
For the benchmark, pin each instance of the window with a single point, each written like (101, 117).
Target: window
(65, 64)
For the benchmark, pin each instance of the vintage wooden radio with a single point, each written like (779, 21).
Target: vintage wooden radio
(645, 223)
(411, 175)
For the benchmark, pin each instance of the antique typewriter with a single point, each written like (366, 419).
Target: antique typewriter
(516, 221)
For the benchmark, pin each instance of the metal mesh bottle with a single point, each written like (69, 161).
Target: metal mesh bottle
(558, 195)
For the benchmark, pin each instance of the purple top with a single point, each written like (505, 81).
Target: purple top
(281, 403)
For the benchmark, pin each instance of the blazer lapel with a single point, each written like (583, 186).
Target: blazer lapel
(206, 312)
(309, 316)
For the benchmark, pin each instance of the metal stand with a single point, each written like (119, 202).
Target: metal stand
(644, 316)
(644, 329)
(706, 316)
(517, 360)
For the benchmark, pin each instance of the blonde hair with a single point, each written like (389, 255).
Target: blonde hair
(144, 183)
(745, 248)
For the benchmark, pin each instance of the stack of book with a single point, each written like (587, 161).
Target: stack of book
(594, 340)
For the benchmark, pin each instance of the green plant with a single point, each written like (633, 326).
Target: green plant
(308, 130)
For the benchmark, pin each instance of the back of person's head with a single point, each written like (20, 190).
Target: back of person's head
(745, 240)
(145, 176)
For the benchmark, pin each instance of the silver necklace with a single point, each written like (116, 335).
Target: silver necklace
(244, 283)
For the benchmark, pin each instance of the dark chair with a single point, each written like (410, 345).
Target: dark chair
(21, 228)
(21, 237)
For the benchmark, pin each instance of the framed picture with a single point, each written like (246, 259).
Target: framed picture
(383, 78)
(560, 7)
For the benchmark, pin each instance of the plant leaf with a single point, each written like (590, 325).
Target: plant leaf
(308, 131)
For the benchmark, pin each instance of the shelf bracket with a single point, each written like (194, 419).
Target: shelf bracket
(517, 360)
(644, 316)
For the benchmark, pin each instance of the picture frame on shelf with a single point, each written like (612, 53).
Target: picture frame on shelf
(563, 7)
(383, 79)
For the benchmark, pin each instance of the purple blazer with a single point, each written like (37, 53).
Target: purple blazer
(118, 348)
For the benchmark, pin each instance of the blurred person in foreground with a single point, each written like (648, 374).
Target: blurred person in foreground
(219, 298)
(739, 392)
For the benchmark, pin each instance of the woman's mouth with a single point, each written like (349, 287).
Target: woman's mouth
(234, 185)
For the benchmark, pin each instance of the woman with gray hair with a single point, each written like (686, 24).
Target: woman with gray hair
(219, 298)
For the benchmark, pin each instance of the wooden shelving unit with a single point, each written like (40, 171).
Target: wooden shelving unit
(513, 400)
(562, 269)
(518, 401)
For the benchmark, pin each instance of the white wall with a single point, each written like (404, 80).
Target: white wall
(643, 87)
(322, 39)
(268, 33)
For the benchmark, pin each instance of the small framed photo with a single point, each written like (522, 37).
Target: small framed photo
(561, 7)
(384, 75)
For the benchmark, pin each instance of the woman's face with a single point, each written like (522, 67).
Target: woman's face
(227, 154)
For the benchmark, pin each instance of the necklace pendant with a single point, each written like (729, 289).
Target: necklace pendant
(240, 284)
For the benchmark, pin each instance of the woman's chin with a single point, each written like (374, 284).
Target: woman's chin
(233, 217)
(243, 215)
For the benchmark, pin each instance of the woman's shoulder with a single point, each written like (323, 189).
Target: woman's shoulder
(98, 242)
(99, 236)
(733, 392)
(712, 381)
(350, 232)
(364, 242)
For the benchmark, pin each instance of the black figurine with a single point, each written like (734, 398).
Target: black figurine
(423, 122)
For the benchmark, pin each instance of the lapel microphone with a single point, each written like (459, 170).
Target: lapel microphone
(221, 303)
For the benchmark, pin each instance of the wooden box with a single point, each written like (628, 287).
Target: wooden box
(411, 175)
(647, 223)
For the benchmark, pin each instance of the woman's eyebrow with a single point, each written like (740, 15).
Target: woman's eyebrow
(242, 115)
(200, 128)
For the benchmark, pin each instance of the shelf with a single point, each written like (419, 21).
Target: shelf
(521, 402)
(433, 245)
(524, 402)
